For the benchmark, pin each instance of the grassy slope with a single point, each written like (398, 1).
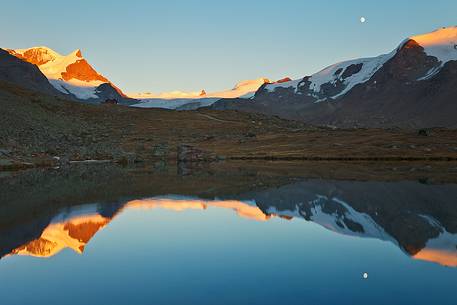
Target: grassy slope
(35, 127)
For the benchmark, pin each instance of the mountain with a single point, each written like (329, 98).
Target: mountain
(193, 100)
(413, 86)
(72, 75)
(23, 74)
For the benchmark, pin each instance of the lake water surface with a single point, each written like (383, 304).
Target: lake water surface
(74, 237)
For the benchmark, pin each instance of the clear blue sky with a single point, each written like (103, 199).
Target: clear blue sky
(202, 44)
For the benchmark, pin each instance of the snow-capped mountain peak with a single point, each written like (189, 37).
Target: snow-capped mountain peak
(70, 74)
(338, 79)
(62, 67)
(441, 43)
(36, 55)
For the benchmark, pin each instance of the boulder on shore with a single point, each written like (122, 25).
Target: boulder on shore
(189, 153)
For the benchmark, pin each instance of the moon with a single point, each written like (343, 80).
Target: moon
(363, 19)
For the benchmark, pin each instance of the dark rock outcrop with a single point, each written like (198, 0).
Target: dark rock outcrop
(26, 75)
(107, 91)
(189, 153)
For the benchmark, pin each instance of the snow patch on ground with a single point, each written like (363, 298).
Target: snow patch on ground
(174, 103)
(80, 89)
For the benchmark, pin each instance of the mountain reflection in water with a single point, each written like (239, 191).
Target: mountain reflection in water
(433, 237)
(229, 233)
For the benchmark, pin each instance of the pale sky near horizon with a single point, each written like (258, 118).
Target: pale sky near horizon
(191, 45)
